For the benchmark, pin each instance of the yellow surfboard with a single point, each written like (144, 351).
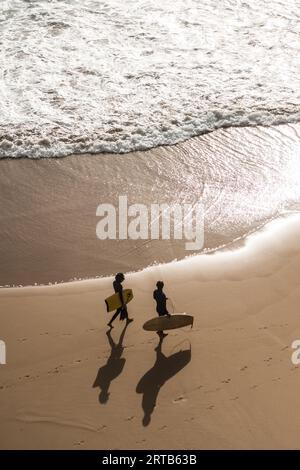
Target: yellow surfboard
(113, 302)
(168, 323)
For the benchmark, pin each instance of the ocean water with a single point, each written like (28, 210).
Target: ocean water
(243, 177)
(82, 76)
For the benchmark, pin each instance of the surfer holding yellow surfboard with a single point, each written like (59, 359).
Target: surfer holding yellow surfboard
(119, 301)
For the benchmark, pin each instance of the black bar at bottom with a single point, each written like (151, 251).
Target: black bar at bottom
(136, 458)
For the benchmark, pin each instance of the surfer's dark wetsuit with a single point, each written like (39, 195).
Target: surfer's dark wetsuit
(122, 311)
(161, 302)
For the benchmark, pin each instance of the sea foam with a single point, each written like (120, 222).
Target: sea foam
(82, 76)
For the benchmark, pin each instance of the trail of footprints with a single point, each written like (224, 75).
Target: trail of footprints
(180, 399)
(268, 361)
(55, 370)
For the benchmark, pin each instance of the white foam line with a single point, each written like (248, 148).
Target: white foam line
(274, 234)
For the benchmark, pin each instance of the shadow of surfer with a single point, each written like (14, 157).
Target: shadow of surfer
(113, 367)
(164, 369)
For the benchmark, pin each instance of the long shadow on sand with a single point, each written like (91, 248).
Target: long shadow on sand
(164, 369)
(113, 367)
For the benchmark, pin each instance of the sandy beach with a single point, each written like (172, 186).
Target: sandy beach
(227, 383)
(159, 141)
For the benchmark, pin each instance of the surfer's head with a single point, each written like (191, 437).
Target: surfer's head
(159, 284)
(120, 277)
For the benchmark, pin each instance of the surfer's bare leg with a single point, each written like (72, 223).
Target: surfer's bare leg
(161, 334)
(128, 320)
(114, 317)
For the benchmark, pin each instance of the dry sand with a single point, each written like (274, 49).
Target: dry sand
(227, 383)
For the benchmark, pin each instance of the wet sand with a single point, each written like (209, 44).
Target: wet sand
(242, 176)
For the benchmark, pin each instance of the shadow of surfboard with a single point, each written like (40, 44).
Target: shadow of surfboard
(164, 369)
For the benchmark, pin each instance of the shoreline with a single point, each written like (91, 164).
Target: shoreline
(234, 246)
(293, 120)
(243, 177)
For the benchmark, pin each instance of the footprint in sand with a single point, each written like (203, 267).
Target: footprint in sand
(226, 381)
(79, 443)
(244, 368)
(99, 428)
(55, 370)
(268, 359)
(210, 407)
(253, 387)
(179, 399)
(129, 418)
(235, 398)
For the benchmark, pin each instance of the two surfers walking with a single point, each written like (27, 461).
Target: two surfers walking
(158, 295)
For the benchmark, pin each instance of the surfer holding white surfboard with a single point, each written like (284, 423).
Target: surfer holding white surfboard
(165, 321)
(161, 304)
